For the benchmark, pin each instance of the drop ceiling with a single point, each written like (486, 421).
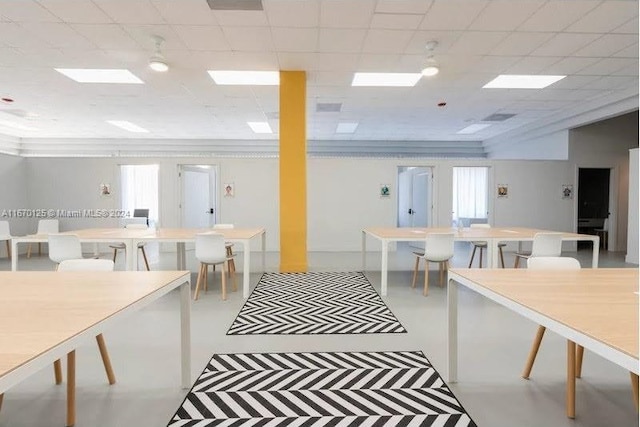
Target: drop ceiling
(594, 43)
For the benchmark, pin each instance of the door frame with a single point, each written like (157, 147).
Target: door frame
(215, 191)
(613, 201)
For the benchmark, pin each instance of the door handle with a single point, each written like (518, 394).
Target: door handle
(210, 211)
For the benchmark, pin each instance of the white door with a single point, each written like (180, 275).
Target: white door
(421, 199)
(198, 205)
(415, 198)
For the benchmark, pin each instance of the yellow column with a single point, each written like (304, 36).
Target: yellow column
(293, 172)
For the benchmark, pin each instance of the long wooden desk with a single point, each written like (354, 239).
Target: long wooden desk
(597, 309)
(131, 237)
(46, 315)
(493, 236)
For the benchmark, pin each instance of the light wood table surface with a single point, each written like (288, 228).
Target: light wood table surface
(131, 237)
(594, 308)
(493, 236)
(46, 315)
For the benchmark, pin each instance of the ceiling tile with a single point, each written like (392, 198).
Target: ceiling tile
(76, 11)
(571, 65)
(329, 78)
(520, 43)
(295, 39)
(532, 65)
(418, 7)
(143, 35)
(477, 42)
(13, 35)
(608, 45)
(495, 64)
(557, 15)
(298, 61)
(252, 39)
(613, 82)
(26, 11)
(58, 35)
(628, 52)
(386, 41)
(336, 61)
(608, 66)
(342, 14)
(185, 12)
(106, 36)
(418, 42)
(606, 17)
(504, 15)
(376, 62)
(575, 82)
(341, 40)
(241, 18)
(452, 14)
(131, 12)
(279, 13)
(201, 37)
(395, 21)
(564, 44)
(630, 27)
(628, 70)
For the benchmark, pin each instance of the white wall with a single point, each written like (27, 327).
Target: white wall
(632, 231)
(13, 195)
(606, 144)
(554, 146)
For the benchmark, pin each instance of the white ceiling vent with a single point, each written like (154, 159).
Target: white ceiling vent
(328, 107)
(235, 4)
(498, 117)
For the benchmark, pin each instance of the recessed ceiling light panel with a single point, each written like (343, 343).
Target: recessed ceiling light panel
(385, 79)
(347, 127)
(522, 81)
(123, 124)
(260, 127)
(473, 128)
(256, 78)
(85, 75)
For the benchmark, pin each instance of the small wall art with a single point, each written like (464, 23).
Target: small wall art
(105, 190)
(384, 190)
(229, 189)
(567, 191)
(503, 190)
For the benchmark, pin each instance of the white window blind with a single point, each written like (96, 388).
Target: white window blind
(139, 185)
(470, 192)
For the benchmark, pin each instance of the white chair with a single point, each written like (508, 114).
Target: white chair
(438, 248)
(5, 234)
(63, 247)
(211, 250)
(483, 245)
(88, 265)
(544, 244)
(122, 246)
(229, 247)
(550, 263)
(603, 233)
(45, 227)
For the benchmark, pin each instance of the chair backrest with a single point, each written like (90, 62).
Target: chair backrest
(210, 246)
(135, 226)
(222, 226)
(141, 213)
(5, 231)
(547, 244)
(86, 265)
(438, 246)
(553, 263)
(605, 224)
(46, 226)
(479, 225)
(63, 247)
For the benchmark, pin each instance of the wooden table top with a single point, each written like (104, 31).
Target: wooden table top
(150, 234)
(600, 303)
(41, 309)
(507, 233)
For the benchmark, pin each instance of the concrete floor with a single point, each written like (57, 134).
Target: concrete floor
(493, 346)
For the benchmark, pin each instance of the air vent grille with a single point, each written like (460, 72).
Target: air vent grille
(328, 107)
(498, 117)
(235, 4)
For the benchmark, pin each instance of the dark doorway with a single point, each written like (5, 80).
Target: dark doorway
(593, 201)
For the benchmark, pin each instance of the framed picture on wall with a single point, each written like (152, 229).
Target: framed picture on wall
(503, 190)
(105, 190)
(384, 190)
(229, 189)
(567, 191)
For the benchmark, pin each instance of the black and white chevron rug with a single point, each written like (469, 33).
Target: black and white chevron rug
(321, 389)
(314, 303)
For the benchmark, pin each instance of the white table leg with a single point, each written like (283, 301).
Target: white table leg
(96, 252)
(132, 255)
(384, 268)
(264, 251)
(246, 268)
(492, 253)
(596, 251)
(14, 255)
(452, 341)
(364, 251)
(181, 258)
(185, 330)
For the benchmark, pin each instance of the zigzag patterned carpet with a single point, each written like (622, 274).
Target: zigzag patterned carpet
(321, 389)
(314, 303)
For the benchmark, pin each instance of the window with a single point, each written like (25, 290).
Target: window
(470, 195)
(139, 185)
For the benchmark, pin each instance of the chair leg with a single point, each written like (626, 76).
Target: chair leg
(8, 249)
(206, 277)
(144, 256)
(106, 361)
(441, 268)
(425, 291)
(57, 371)
(115, 252)
(533, 352)
(29, 251)
(571, 379)
(415, 272)
(232, 274)
(198, 283)
(473, 254)
(517, 263)
(481, 251)
(223, 277)
(579, 356)
(39, 249)
(501, 256)
(2, 397)
(71, 388)
(634, 389)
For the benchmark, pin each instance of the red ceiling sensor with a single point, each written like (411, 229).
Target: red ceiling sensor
(7, 100)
